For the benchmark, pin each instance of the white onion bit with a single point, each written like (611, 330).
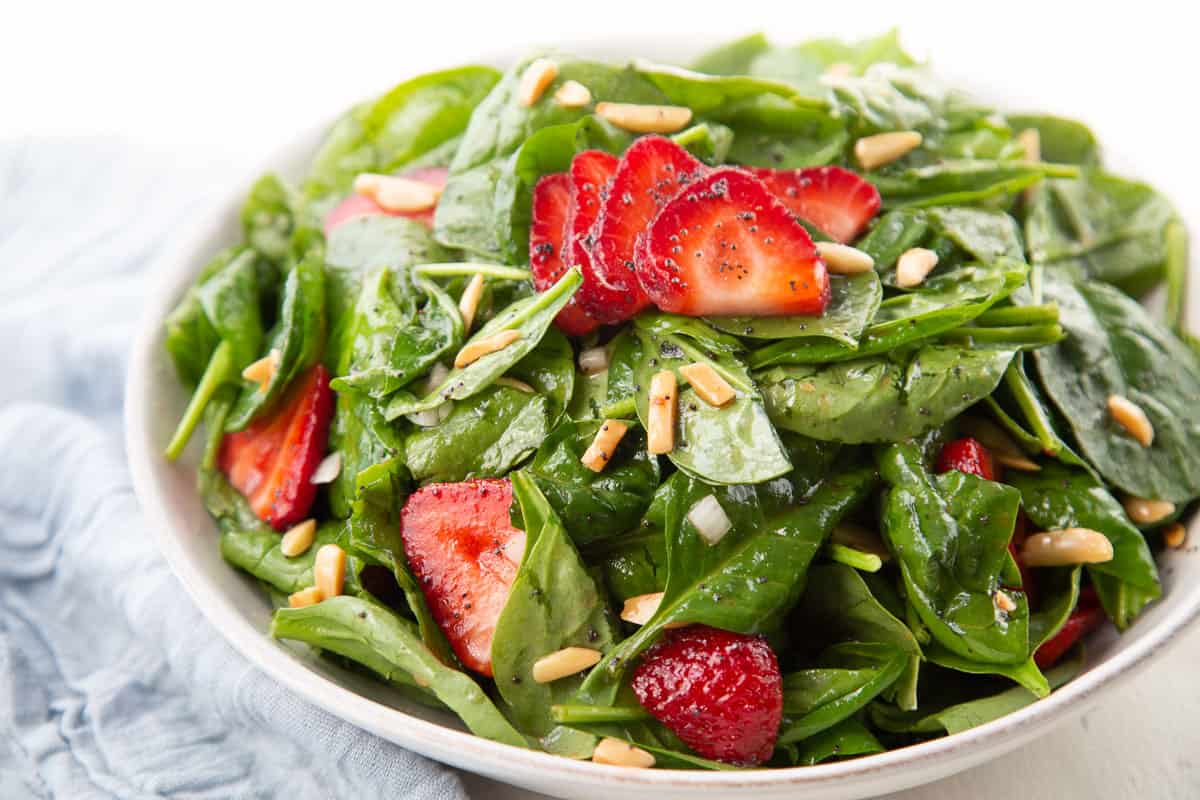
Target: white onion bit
(329, 468)
(430, 416)
(593, 360)
(709, 519)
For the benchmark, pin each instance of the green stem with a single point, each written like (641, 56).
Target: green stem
(1177, 269)
(220, 367)
(1020, 335)
(576, 714)
(622, 409)
(498, 271)
(1046, 313)
(866, 562)
(1022, 392)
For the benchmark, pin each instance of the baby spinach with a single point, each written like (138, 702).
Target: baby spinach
(550, 369)
(1114, 347)
(1061, 140)
(881, 398)
(706, 94)
(632, 564)
(849, 677)
(531, 316)
(363, 438)
(553, 603)
(850, 737)
(268, 217)
(950, 536)
(594, 505)
(853, 301)
(961, 181)
(772, 130)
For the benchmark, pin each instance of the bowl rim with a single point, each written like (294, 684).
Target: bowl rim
(174, 271)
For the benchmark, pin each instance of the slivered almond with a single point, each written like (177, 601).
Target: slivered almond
(645, 118)
(639, 609)
(1147, 512)
(394, 193)
(1004, 602)
(1174, 535)
(664, 405)
(562, 663)
(711, 387)
(618, 753)
(329, 570)
(1065, 548)
(884, 148)
(468, 304)
(298, 538)
(842, 259)
(535, 80)
(1130, 416)
(573, 94)
(305, 597)
(513, 383)
(481, 347)
(913, 267)
(601, 450)
(328, 470)
(263, 370)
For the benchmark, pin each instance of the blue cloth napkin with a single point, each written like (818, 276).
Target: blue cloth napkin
(111, 683)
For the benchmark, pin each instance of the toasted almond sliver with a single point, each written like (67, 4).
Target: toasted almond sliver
(562, 663)
(884, 148)
(305, 597)
(468, 304)
(1031, 142)
(1175, 535)
(842, 259)
(913, 267)
(573, 94)
(479, 348)
(263, 370)
(1004, 602)
(601, 449)
(1147, 512)
(535, 80)
(645, 118)
(711, 387)
(329, 570)
(394, 193)
(664, 405)
(1066, 548)
(639, 609)
(299, 538)
(1130, 416)
(513, 383)
(617, 753)
(1017, 462)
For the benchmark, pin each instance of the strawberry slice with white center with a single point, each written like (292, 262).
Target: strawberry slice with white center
(727, 247)
(837, 201)
(652, 172)
(358, 205)
(547, 236)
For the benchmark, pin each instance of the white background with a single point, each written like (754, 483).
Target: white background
(225, 82)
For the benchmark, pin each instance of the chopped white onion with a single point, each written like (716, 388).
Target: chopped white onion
(329, 468)
(593, 360)
(430, 416)
(709, 519)
(437, 376)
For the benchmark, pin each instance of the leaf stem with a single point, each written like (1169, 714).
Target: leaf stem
(1022, 392)
(471, 268)
(578, 714)
(1018, 335)
(1047, 313)
(865, 562)
(220, 366)
(622, 409)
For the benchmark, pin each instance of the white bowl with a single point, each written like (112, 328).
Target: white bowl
(240, 611)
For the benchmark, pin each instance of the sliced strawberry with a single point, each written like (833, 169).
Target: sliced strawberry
(969, 456)
(652, 172)
(464, 552)
(720, 692)
(726, 246)
(1087, 616)
(839, 202)
(272, 461)
(590, 174)
(547, 231)
(357, 205)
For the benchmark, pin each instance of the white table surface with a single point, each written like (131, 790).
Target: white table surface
(235, 78)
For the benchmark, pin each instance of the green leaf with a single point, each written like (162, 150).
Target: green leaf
(550, 369)
(733, 58)
(850, 676)
(1026, 673)
(1061, 140)
(961, 181)
(268, 218)
(594, 505)
(839, 607)
(771, 130)
(711, 94)
(850, 737)
(853, 301)
(1114, 347)
(363, 438)
(531, 316)
(804, 63)
(553, 603)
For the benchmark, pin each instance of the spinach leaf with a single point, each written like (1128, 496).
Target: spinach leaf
(268, 218)
(878, 399)
(632, 564)
(553, 603)
(1062, 141)
(804, 63)
(1114, 347)
(732, 444)
(961, 181)
(531, 316)
(950, 536)
(299, 336)
(771, 130)
(1026, 673)
(550, 369)
(370, 633)
(749, 579)
(485, 436)
(850, 737)
(594, 505)
(732, 58)
(709, 94)
(853, 301)
(850, 676)
(709, 141)
(412, 119)
(838, 606)
(363, 438)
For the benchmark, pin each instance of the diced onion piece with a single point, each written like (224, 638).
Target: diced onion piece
(429, 417)
(328, 470)
(660, 421)
(600, 452)
(593, 360)
(711, 387)
(709, 519)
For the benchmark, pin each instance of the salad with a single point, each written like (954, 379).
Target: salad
(785, 408)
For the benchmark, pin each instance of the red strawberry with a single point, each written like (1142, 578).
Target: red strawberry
(547, 231)
(726, 246)
(839, 202)
(720, 692)
(590, 173)
(969, 456)
(652, 172)
(464, 552)
(1087, 616)
(357, 205)
(272, 461)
